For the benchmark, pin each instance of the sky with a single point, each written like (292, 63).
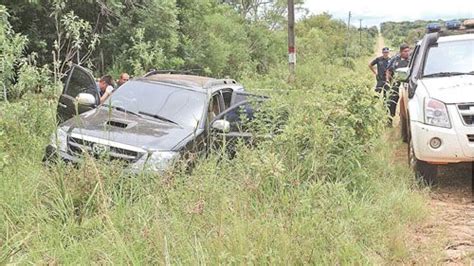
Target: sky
(373, 12)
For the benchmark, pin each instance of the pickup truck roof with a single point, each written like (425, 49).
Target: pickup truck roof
(460, 37)
(192, 81)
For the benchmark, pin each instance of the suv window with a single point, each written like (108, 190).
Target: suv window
(79, 79)
(239, 116)
(227, 96)
(215, 106)
(450, 57)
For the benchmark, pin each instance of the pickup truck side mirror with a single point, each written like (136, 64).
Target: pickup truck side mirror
(86, 99)
(412, 88)
(401, 74)
(221, 126)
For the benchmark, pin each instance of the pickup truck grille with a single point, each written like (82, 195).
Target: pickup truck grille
(467, 113)
(77, 146)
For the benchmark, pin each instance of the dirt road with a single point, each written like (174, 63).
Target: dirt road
(454, 206)
(448, 236)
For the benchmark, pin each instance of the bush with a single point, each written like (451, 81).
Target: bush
(33, 79)
(11, 51)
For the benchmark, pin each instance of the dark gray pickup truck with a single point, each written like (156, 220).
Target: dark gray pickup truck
(148, 122)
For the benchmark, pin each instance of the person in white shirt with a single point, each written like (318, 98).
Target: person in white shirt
(105, 87)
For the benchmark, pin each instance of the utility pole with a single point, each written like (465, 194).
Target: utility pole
(291, 39)
(360, 32)
(367, 33)
(346, 56)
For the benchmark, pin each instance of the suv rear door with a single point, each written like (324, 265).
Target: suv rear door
(77, 80)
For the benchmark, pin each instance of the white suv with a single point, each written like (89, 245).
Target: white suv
(437, 102)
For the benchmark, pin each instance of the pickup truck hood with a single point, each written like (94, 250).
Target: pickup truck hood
(124, 128)
(455, 89)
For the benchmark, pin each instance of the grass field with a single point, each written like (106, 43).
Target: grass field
(325, 191)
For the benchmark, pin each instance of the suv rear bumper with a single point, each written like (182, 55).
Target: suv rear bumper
(455, 147)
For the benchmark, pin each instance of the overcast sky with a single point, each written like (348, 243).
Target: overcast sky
(372, 12)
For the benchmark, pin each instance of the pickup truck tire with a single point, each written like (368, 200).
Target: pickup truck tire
(425, 172)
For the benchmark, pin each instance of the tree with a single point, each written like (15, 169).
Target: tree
(12, 46)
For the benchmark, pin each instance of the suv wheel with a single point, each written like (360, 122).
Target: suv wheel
(425, 172)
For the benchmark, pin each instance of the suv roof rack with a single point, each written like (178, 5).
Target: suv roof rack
(216, 82)
(172, 71)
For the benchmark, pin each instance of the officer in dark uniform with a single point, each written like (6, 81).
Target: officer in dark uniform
(382, 64)
(399, 61)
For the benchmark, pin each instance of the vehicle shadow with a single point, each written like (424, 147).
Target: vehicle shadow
(457, 180)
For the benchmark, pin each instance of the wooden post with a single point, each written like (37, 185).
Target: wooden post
(346, 56)
(291, 39)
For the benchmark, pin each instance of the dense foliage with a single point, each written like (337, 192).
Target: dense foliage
(11, 50)
(134, 36)
(409, 32)
(138, 35)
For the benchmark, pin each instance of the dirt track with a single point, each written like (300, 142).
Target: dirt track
(452, 223)
(455, 204)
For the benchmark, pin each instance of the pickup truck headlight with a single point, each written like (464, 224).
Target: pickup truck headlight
(436, 113)
(59, 140)
(157, 161)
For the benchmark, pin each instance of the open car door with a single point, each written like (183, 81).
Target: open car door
(234, 124)
(80, 94)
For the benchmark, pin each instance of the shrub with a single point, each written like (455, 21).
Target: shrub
(11, 50)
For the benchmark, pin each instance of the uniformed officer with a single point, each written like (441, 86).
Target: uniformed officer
(382, 64)
(399, 61)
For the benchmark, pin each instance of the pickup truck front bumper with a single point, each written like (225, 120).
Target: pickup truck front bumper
(52, 154)
(456, 146)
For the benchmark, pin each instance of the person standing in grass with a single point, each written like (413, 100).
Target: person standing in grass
(382, 64)
(399, 61)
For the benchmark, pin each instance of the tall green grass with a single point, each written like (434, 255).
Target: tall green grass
(324, 191)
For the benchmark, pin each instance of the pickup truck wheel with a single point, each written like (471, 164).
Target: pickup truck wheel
(425, 172)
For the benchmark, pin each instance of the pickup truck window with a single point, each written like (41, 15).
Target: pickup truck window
(449, 59)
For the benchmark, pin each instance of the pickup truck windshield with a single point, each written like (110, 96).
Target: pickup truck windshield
(159, 101)
(450, 59)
